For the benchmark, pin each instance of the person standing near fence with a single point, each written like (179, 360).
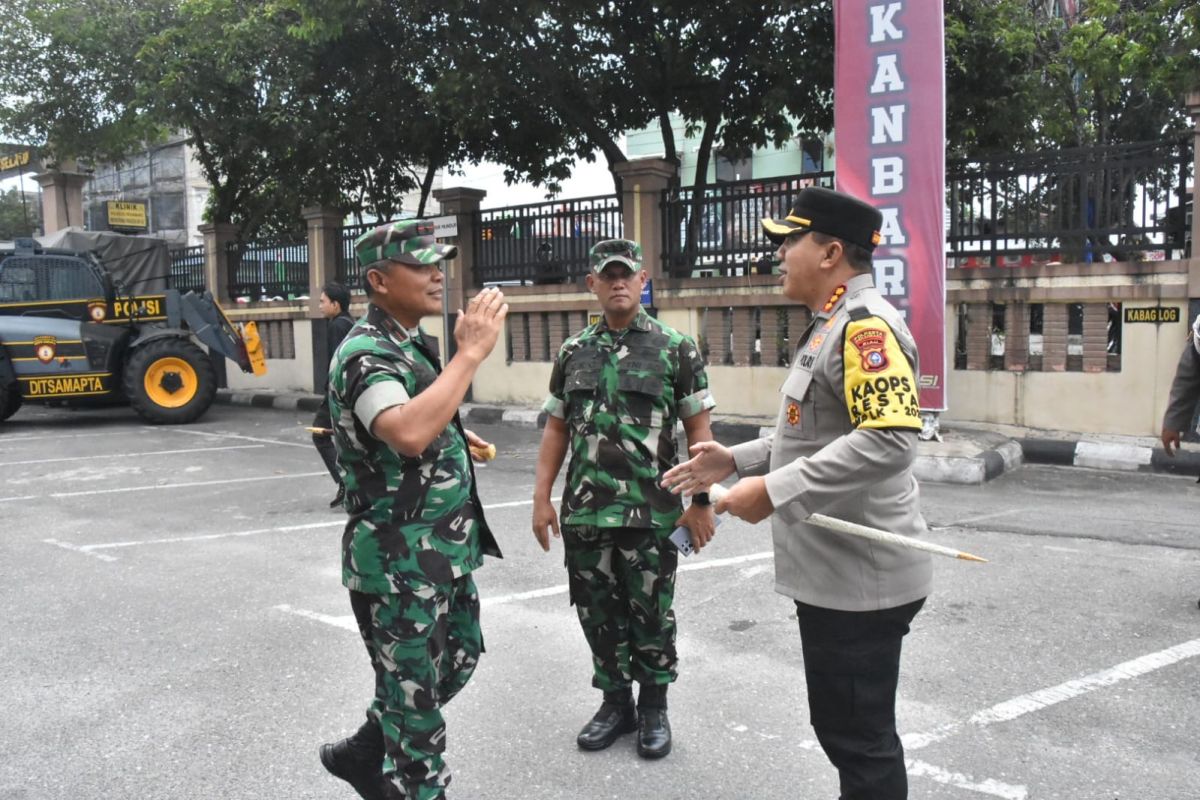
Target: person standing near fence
(335, 308)
(617, 390)
(844, 445)
(416, 531)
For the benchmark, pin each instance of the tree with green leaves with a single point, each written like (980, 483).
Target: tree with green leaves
(19, 215)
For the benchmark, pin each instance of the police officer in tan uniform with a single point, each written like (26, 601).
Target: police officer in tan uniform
(1185, 393)
(844, 446)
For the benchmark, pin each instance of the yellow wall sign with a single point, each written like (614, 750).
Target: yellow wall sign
(1153, 314)
(15, 160)
(123, 214)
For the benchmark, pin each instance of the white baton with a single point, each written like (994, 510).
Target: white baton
(716, 492)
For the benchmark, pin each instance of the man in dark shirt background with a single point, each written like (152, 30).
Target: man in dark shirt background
(335, 307)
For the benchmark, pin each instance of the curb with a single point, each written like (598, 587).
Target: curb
(1109, 455)
(991, 463)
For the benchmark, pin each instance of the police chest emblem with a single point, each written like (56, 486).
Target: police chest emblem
(870, 344)
(793, 414)
(97, 311)
(44, 348)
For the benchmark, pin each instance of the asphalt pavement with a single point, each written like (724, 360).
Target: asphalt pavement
(175, 627)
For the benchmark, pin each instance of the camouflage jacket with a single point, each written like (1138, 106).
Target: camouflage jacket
(413, 521)
(621, 394)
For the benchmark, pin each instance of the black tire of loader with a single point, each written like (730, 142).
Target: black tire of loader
(10, 401)
(145, 357)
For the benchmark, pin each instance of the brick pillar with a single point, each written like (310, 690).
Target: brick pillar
(771, 335)
(557, 327)
(1095, 337)
(643, 181)
(464, 204)
(979, 335)
(716, 335)
(743, 335)
(537, 336)
(217, 236)
(324, 227)
(1054, 337)
(62, 198)
(1016, 337)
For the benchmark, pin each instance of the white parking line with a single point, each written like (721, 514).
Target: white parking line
(39, 437)
(111, 456)
(305, 445)
(164, 486)
(1053, 695)
(346, 622)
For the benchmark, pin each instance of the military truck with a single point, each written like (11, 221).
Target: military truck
(90, 317)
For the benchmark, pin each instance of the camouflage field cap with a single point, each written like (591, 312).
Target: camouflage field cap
(621, 251)
(835, 213)
(409, 241)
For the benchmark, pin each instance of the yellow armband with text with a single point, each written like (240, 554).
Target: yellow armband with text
(881, 391)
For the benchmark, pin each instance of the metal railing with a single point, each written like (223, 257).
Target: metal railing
(542, 243)
(267, 270)
(187, 269)
(722, 233)
(349, 273)
(1125, 202)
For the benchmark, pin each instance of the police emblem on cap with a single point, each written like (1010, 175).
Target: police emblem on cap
(870, 346)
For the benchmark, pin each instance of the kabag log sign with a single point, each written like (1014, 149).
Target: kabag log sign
(889, 124)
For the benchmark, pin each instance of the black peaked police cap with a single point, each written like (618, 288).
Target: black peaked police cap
(833, 213)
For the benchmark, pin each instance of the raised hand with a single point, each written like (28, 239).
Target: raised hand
(710, 463)
(479, 326)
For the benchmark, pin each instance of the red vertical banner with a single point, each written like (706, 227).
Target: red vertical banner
(889, 108)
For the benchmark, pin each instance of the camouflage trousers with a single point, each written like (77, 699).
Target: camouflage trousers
(622, 583)
(424, 646)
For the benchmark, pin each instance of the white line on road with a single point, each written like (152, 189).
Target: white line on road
(159, 486)
(78, 549)
(57, 436)
(1044, 698)
(307, 446)
(111, 456)
(981, 517)
(346, 622)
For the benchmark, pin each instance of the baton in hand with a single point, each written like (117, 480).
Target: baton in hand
(717, 492)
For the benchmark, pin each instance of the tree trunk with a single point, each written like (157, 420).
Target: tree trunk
(426, 187)
(699, 186)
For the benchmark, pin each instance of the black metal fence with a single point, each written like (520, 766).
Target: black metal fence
(349, 274)
(266, 270)
(1125, 202)
(187, 269)
(542, 243)
(721, 234)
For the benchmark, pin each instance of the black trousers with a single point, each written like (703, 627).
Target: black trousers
(324, 443)
(852, 666)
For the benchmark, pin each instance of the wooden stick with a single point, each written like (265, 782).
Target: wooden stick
(716, 492)
(319, 431)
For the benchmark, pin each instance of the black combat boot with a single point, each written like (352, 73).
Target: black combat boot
(358, 760)
(654, 729)
(615, 717)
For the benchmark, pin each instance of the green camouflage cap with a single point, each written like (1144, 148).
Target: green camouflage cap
(621, 251)
(409, 241)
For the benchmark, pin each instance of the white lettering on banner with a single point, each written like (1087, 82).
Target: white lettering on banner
(881, 23)
(887, 124)
(890, 231)
(887, 175)
(887, 75)
(890, 275)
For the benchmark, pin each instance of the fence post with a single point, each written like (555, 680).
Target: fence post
(462, 203)
(324, 225)
(217, 235)
(1193, 107)
(62, 198)
(643, 180)
(1016, 337)
(1054, 337)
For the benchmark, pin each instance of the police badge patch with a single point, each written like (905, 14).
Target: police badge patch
(793, 414)
(44, 347)
(870, 344)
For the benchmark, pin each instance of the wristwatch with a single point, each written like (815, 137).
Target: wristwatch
(701, 499)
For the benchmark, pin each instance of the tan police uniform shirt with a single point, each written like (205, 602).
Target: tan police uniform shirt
(844, 446)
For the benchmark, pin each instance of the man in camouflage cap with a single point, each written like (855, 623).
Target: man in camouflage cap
(616, 392)
(416, 529)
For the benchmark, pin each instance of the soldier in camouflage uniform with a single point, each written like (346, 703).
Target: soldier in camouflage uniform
(616, 392)
(416, 529)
